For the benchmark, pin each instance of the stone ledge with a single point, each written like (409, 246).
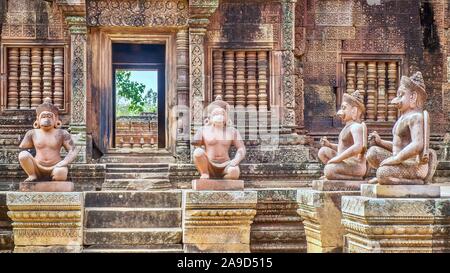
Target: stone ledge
(337, 185)
(217, 184)
(46, 186)
(400, 191)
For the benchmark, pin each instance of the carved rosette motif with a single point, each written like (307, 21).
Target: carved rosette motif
(46, 219)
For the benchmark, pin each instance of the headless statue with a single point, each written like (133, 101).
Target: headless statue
(47, 139)
(345, 160)
(217, 136)
(407, 160)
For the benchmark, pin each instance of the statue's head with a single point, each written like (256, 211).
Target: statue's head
(352, 107)
(411, 94)
(47, 116)
(218, 112)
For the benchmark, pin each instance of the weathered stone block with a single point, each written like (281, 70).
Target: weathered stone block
(46, 186)
(217, 185)
(396, 224)
(218, 221)
(6, 235)
(321, 213)
(400, 191)
(46, 219)
(141, 199)
(132, 236)
(277, 227)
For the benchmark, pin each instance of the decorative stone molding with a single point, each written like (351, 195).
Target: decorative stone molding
(277, 227)
(320, 208)
(46, 222)
(218, 221)
(390, 225)
(6, 234)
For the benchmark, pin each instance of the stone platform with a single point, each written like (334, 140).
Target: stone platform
(46, 186)
(400, 191)
(46, 221)
(320, 208)
(217, 185)
(393, 225)
(218, 221)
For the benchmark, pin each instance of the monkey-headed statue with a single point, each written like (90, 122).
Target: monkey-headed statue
(407, 160)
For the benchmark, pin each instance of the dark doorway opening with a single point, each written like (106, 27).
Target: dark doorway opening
(138, 95)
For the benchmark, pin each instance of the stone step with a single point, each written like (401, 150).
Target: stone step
(137, 170)
(140, 175)
(137, 159)
(132, 236)
(137, 165)
(133, 199)
(136, 184)
(132, 217)
(167, 248)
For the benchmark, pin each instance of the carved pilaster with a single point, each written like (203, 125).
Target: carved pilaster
(350, 77)
(47, 64)
(262, 80)
(218, 73)
(229, 77)
(240, 79)
(77, 29)
(287, 77)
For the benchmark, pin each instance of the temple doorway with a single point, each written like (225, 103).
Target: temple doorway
(138, 96)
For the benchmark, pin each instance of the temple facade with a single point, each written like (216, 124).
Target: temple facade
(283, 66)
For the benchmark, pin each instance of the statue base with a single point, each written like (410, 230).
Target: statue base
(218, 221)
(217, 185)
(46, 186)
(400, 191)
(320, 208)
(396, 225)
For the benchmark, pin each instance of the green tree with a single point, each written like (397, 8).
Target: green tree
(132, 91)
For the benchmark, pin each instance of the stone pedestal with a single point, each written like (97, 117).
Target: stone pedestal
(277, 226)
(320, 208)
(46, 186)
(402, 224)
(6, 235)
(217, 185)
(46, 221)
(218, 221)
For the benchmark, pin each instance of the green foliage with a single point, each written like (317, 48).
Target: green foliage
(132, 99)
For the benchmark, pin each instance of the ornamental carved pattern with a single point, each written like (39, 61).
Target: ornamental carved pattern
(137, 13)
(78, 79)
(33, 19)
(197, 75)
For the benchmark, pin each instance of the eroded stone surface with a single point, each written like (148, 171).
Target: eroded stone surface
(218, 221)
(216, 184)
(396, 224)
(321, 213)
(45, 219)
(337, 185)
(46, 186)
(400, 191)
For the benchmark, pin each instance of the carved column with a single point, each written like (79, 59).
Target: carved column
(77, 29)
(13, 78)
(351, 75)
(217, 73)
(25, 94)
(240, 79)
(35, 77)
(58, 77)
(47, 63)
(392, 90)
(252, 98)
(371, 91)
(381, 102)
(262, 81)
(361, 77)
(287, 76)
(182, 145)
(229, 77)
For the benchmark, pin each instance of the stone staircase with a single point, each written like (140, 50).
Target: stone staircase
(136, 176)
(133, 221)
